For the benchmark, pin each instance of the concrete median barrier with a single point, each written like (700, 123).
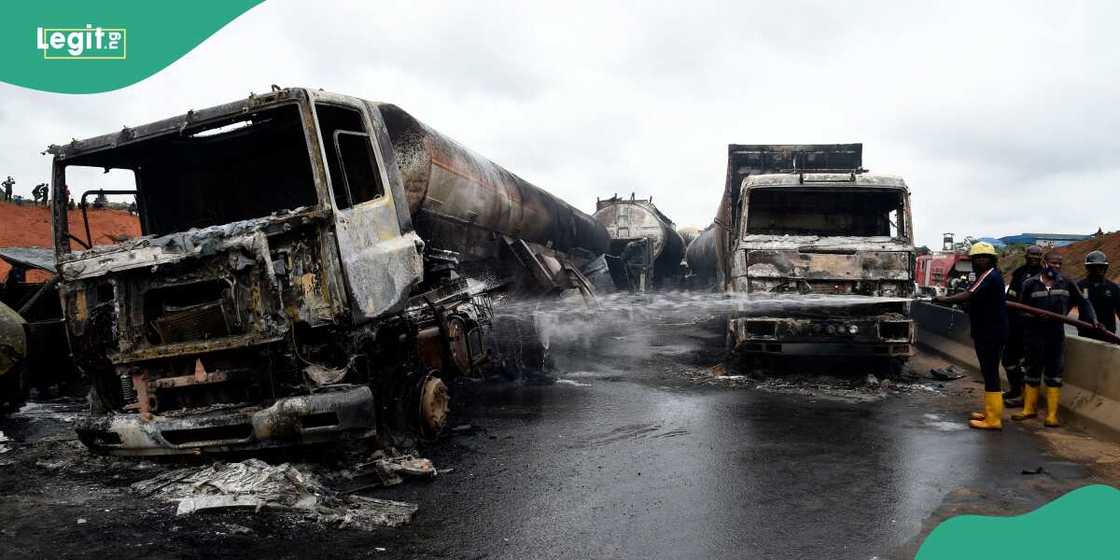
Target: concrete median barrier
(1091, 388)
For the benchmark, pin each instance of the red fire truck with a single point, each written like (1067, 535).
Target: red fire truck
(942, 273)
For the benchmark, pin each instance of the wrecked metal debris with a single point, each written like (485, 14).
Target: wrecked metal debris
(947, 373)
(256, 485)
(391, 471)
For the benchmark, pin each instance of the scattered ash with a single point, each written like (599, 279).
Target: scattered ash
(849, 381)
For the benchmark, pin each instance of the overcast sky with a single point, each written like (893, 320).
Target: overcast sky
(1001, 117)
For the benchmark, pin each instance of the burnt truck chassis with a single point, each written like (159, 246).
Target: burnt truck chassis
(333, 320)
(331, 374)
(873, 330)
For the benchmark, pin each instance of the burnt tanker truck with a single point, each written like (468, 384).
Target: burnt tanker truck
(809, 220)
(646, 252)
(312, 266)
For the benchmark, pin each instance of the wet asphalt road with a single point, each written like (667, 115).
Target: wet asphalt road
(628, 450)
(637, 462)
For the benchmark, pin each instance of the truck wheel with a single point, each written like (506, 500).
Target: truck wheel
(435, 402)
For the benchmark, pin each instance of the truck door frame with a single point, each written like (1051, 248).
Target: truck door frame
(380, 257)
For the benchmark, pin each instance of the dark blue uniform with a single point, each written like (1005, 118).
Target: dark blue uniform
(1104, 295)
(1045, 338)
(1013, 352)
(987, 313)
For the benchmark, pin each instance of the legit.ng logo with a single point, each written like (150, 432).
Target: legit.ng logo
(82, 43)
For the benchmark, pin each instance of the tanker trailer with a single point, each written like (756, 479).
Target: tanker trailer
(645, 250)
(312, 266)
(702, 259)
(462, 202)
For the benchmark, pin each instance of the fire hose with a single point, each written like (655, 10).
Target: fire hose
(1107, 335)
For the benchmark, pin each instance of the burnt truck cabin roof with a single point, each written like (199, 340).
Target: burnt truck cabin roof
(195, 118)
(840, 181)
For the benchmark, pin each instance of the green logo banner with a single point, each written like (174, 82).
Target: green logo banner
(1080, 524)
(71, 46)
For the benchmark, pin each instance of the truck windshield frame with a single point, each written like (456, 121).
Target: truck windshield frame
(246, 166)
(827, 212)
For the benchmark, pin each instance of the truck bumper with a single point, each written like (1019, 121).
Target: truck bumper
(862, 336)
(345, 412)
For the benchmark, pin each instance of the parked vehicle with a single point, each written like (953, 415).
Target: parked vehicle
(943, 273)
(809, 220)
(646, 252)
(312, 267)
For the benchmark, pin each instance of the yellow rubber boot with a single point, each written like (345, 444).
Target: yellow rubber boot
(993, 413)
(1030, 404)
(1053, 395)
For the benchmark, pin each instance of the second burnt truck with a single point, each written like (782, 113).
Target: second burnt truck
(311, 266)
(809, 220)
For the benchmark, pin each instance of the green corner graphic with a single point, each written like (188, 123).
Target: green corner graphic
(70, 46)
(1081, 524)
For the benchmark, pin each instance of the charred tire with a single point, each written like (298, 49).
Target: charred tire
(433, 402)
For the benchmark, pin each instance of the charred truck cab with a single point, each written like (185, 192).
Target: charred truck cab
(809, 220)
(311, 266)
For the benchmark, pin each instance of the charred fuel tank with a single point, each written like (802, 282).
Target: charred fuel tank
(701, 256)
(642, 237)
(449, 186)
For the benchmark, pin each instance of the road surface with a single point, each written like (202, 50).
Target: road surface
(628, 449)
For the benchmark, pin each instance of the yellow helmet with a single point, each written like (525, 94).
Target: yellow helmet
(982, 248)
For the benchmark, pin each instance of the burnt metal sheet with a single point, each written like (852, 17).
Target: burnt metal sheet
(279, 425)
(36, 258)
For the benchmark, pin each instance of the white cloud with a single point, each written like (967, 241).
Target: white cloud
(1001, 116)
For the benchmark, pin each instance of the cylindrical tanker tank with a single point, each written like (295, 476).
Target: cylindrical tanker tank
(445, 180)
(630, 219)
(701, 255)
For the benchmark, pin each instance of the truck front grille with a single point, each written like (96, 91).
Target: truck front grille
(198, 322)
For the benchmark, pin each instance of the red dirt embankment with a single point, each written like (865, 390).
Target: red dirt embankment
(26, 225)
(1074, 265)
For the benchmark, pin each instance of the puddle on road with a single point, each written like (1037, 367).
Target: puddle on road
(572, 382)
(936, 422)
(62, 410)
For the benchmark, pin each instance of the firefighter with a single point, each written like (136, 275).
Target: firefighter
(1013, 353)
(987, 312)
(1045, 338)
(1101, 292)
